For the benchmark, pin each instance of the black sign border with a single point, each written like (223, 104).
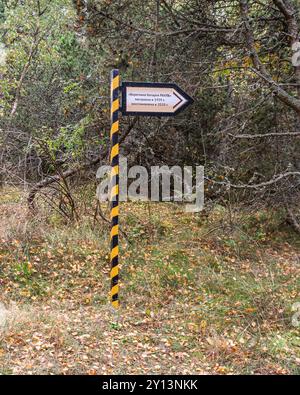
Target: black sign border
(126, 84)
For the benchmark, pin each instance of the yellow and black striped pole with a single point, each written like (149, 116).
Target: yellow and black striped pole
(114, 196)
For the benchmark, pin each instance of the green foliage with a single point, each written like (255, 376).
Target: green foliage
(57, 90)
(2, 10)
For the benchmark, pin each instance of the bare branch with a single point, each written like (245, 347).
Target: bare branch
(259, 67)
(274, 180)
(70, 172)
(259, 136)
(33, 49)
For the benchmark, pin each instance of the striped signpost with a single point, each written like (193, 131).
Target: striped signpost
(138, 98)
(114, 197)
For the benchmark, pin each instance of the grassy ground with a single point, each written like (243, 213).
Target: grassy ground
(199, 293)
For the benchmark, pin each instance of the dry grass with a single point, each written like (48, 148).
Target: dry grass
(199, 295)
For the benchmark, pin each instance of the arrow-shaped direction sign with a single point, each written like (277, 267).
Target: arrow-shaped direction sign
(153, 99)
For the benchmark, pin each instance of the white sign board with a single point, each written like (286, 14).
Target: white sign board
(140, 98)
